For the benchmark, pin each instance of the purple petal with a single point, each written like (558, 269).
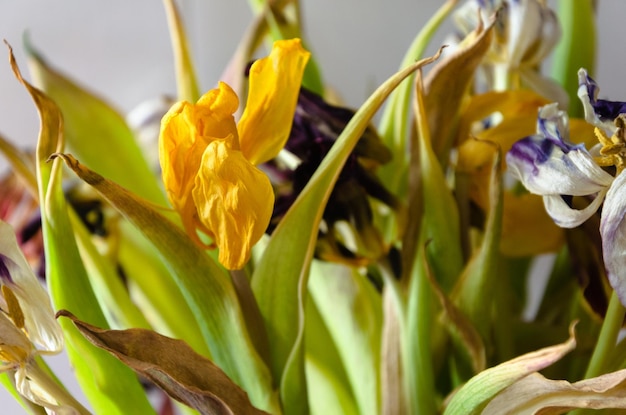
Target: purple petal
(613, 231)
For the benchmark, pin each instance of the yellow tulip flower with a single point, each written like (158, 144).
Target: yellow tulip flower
(209, 161)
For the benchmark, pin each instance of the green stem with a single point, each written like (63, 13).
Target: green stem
(608, 337)
(51, 387)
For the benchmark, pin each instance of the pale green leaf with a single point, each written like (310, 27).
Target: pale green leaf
(476, 287)
(110, 387)
(535, 394)
(186, 81)
(280, 279)
(352, 311)
(394, 124)
(483, 387)
(207, 288)
(327, 382)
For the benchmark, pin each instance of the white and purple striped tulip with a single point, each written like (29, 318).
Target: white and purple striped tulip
(548, 164)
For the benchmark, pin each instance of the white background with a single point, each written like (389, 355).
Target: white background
(121, 50)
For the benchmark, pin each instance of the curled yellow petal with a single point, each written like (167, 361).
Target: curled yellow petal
(234, 200)
(272, 98)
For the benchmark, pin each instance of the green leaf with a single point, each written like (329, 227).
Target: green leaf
(394, 123)
(480, 389)
(416, 337)
(97, 133)
(173, 366)
(475, 289)
(352, 311)
(110, 387)
(108, 287)
(327, 381)
(576, 49)
(440, 225)
(156, 292)
(186, 81)
(207, 288)
(280, 278)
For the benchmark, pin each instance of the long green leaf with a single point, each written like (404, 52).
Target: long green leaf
(476, 287)
(207, 289)
(111, 387)
(186, 82)
(327, 381)
(352, 311)
(394, 123)
(280, 279)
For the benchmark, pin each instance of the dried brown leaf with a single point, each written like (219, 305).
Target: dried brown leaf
(173, 366)
(447, 84)
(537, 395)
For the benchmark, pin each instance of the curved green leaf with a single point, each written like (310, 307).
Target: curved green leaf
(280, 278)
(352, 311)
(186, 82)
(110, 387)
(207, 288)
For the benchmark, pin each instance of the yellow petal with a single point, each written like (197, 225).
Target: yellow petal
(272, 98)
(234, 201)
(186, 131)
(526, 227)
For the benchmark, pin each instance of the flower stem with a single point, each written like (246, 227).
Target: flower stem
(51, 387)
(607, 338)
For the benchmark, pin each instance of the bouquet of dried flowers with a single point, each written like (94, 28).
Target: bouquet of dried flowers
(288, 255)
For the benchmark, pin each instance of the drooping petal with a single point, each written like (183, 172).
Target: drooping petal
(274, 86)
(565, 216)
(598, 112)
(234, 201)
(613, 232)
(548, 164)
(39, 322)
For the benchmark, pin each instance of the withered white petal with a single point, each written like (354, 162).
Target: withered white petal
(613, 232)
(567, 217)
(40, 324)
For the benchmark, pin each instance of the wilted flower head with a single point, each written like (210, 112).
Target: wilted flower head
(526, 32)
(27, 323)
(209, 161)
(550, 165)
(348, 233)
